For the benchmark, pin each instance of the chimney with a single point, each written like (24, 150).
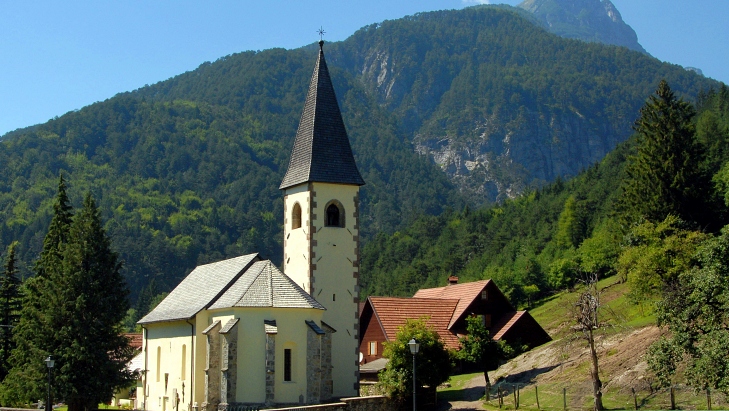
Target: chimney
(452, 280)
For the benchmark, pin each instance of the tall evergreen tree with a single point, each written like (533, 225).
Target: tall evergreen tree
(667, 176)
(91, 302)
(34, 336)
(9, 309)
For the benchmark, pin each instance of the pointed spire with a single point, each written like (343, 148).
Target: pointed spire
(321, 150)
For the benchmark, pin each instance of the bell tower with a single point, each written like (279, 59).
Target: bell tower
(321, 222)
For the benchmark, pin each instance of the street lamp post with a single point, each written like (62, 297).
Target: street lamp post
(414, 348)
(49, 364)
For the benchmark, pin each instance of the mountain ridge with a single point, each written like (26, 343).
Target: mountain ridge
(186, 170)
(588, 20)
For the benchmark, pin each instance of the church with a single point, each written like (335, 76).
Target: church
(241, 331)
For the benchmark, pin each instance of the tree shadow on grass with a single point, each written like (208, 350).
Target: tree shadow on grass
(464, 394)
(526, 377)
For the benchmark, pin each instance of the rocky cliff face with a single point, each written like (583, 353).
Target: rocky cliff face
(588, 20)
(498, 104)
(502, 158)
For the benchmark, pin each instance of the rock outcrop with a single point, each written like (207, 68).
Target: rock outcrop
(588, 20)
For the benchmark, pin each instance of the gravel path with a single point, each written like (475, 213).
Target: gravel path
(472, 394)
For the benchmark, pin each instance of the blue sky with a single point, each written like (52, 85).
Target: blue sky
(60, 56)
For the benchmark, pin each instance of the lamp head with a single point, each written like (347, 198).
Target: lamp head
(414, 346)
(49, 362)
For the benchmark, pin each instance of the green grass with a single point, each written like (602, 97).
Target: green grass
(551, 398)
(101, 407)
(617, 309)
(457, 386)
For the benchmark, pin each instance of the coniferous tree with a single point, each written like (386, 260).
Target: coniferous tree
(91, 302)
(34, 337)
(9, 309)
(667, 176)
(72, 310)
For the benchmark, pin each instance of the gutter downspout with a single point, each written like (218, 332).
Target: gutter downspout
(144, 384)
(192, 362)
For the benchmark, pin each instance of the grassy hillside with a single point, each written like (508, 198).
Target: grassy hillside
(565, 363)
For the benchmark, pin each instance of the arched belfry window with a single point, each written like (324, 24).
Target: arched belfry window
(296, 217)
(335, 214)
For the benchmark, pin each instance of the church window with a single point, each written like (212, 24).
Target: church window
(287, 364)
(334, 297)
(159, 361)
(183, 362)
(296, 217)
(334, 214)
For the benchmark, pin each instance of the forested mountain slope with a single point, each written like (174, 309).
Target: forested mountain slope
(496, 101)
(183, 183)
(500, 104)
(186, 170)
(545, 240)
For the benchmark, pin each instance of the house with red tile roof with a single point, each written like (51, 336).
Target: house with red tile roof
(446, 309)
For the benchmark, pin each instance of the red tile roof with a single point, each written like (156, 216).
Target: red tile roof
(465, 294)
(505, 324)
(135, 340)
(392, 312)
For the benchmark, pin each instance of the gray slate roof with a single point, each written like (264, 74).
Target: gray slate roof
(264, 285)
(200, 288)
(238, 282)
(321, 150)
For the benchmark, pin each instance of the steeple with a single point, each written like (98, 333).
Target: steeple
(321, 150)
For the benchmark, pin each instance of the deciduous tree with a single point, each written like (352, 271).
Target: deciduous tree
(586, 315)
(433, 362)
(478, 347)
(695, 312)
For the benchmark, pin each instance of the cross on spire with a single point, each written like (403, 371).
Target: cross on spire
(321, 33)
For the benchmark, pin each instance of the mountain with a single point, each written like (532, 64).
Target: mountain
(442, 109)
(587, 20)
(498, 103)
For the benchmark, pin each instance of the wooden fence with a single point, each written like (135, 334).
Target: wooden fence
(510, 396)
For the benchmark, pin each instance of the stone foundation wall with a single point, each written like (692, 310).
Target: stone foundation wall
(313, 367)
(212, 371)
(270, 368)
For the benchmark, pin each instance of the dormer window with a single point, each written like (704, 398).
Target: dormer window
(296, 217)
(335, 214)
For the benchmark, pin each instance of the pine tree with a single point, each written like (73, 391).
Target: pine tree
(72, 310)
(91, 302)
(667, 176)
(34, 337)
(9, 309)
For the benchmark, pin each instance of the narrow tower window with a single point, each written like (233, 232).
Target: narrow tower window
(296, 217)
(335, 214)
(287, 364)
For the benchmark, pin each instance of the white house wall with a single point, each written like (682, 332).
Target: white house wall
(169, 349)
